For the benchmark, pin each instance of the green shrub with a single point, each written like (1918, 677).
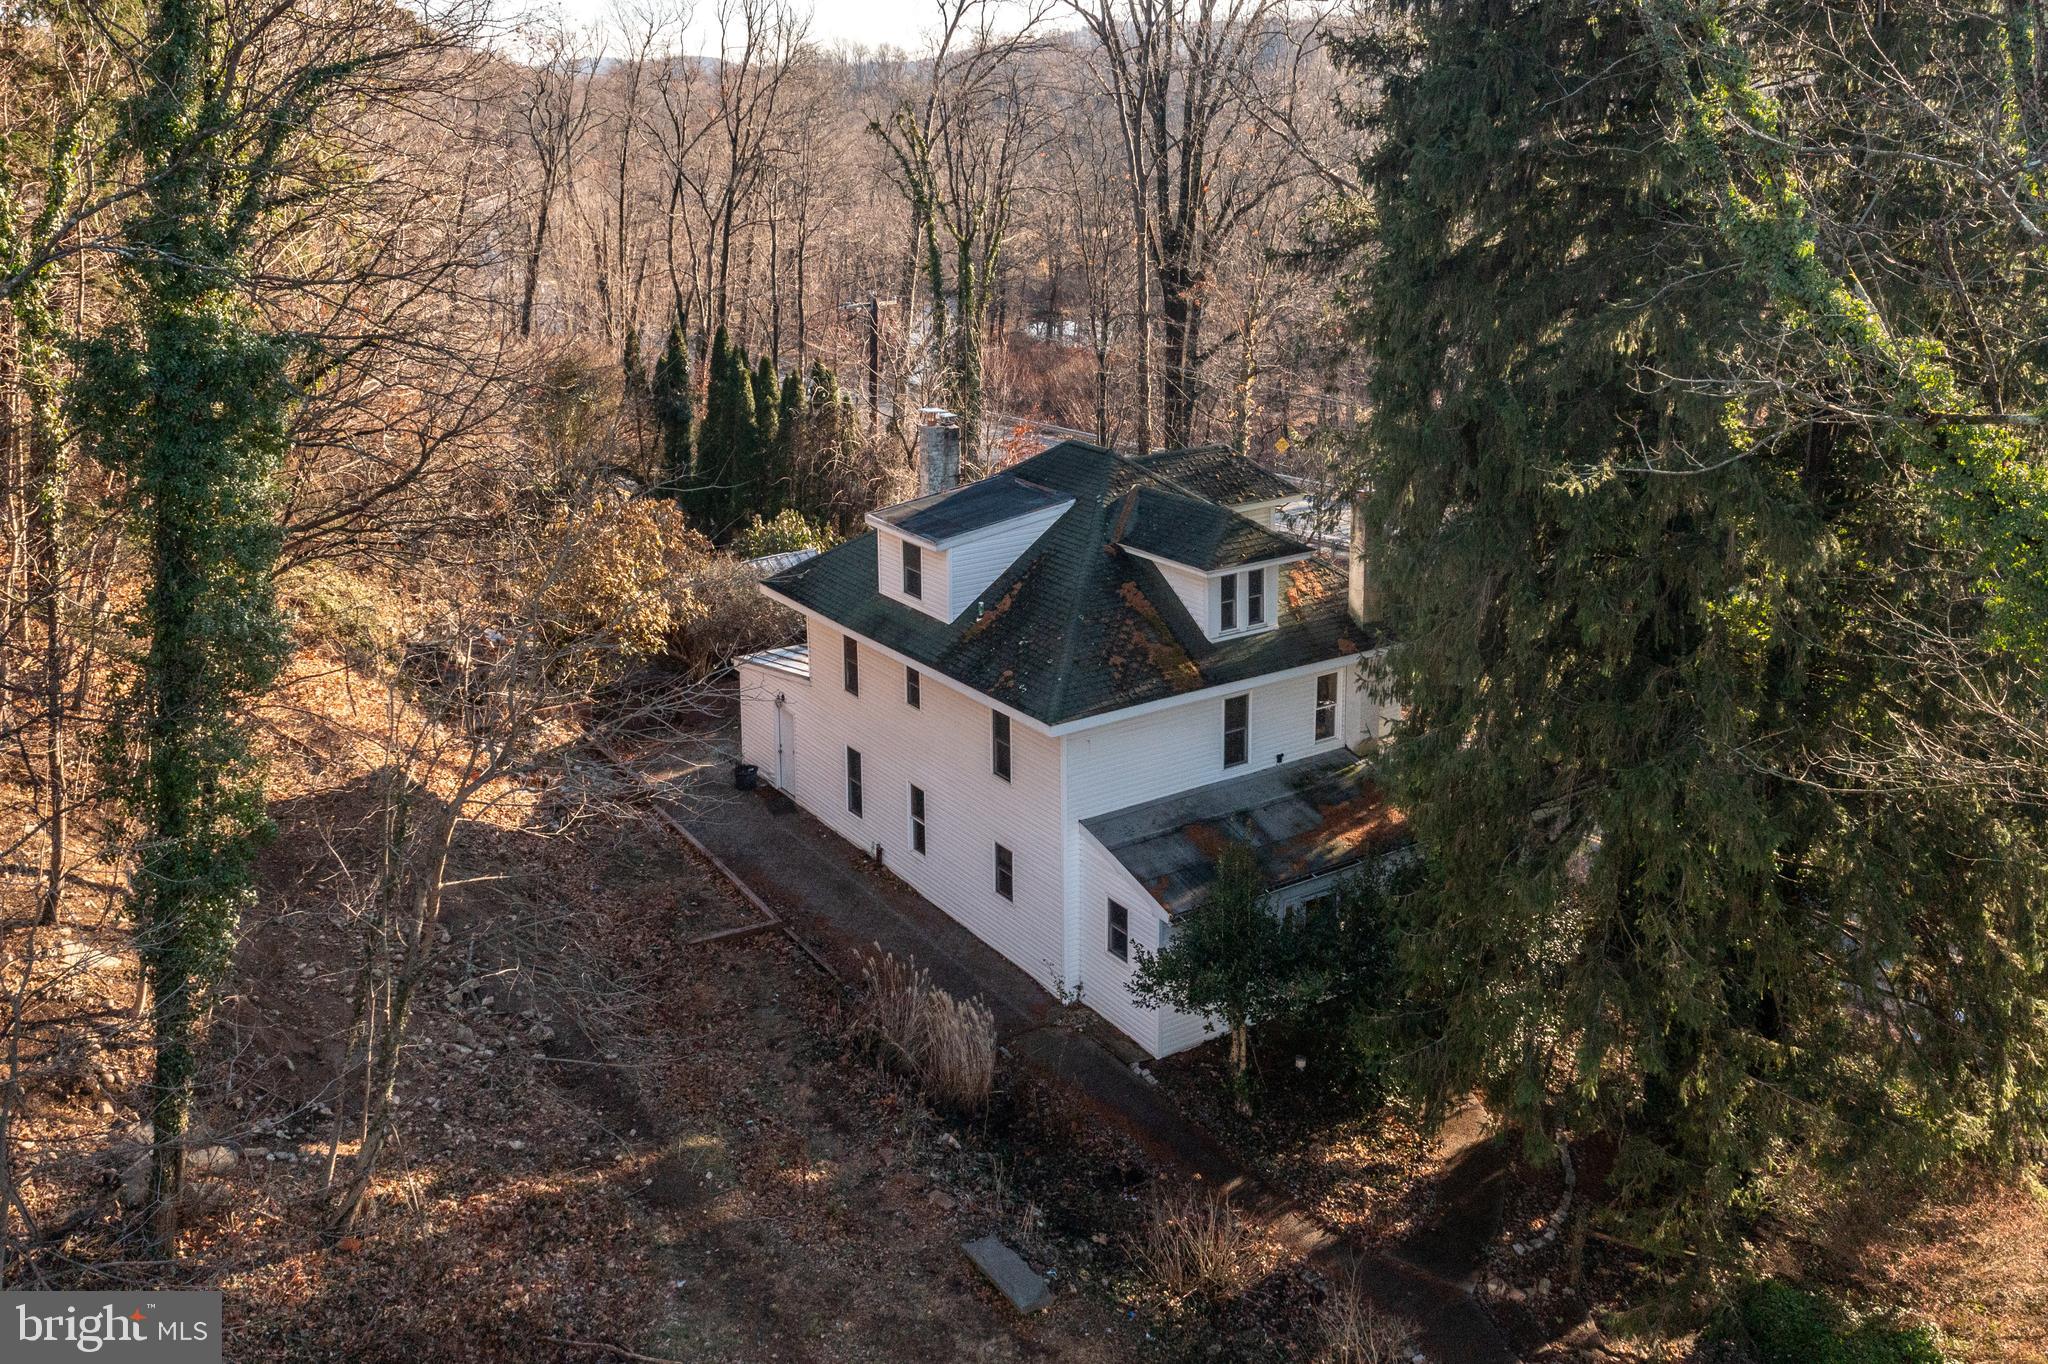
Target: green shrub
(786, 532)
(1786, 1325)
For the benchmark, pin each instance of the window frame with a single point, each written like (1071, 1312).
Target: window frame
(849, 664)
(918, 804)
(855, 796)
(1254, 598)
(1244, 700)
(1226, 603)
(999, 748)
(1006, 873)
(913, 688)
(913, 570)
(1119, 939)
(1325, 710)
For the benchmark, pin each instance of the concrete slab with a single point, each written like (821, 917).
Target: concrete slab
(1006, 1269)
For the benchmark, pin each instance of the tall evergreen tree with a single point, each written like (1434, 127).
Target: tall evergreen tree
(674, 408)
(767, 480)
(725, 444)
(1631, 599)
(789, 436)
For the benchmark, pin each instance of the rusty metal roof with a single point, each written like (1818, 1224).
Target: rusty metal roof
(1303, 819)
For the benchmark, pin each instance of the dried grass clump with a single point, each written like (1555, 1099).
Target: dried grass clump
(1350, 1330)
(947, 1045)
(1192, 1243)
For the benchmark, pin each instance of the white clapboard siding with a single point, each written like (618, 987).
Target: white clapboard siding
(944, 747)
(1106, 980)
(977, 560)
(934, 566)
(1130, 761)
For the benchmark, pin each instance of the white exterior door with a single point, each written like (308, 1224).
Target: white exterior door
(785, 749)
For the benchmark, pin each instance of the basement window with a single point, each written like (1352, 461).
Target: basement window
(1119, 932)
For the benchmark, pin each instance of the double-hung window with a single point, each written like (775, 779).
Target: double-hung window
(1119, 932)
(917, 818)
(1006, 873)
(999, 744)
(913, 689)
(1255, 597)
(853, 781)
(849, 664)
(1227, 607)
(1326, 706)
(1237, 725)
(913, 570)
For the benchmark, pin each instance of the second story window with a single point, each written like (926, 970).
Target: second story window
(1237, 726)
(913, 570)
(849, 656)
(1228, 608)
(913, 689)
(999, 737)
(1255, 597)
(1326, 706)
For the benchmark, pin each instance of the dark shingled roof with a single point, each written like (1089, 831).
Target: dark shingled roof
(939, 517)
(1220, 474)
(1301, 819)
(1199, 534)
(1076, 627)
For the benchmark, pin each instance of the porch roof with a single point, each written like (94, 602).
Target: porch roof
(1302, 820)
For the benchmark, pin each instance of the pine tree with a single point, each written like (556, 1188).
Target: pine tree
(789, 437)
(767, 480)
(1629, 609)
(725, 444)
(674, 409)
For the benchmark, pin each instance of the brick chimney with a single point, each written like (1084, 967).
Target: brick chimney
(1364, 595)
(938, 450)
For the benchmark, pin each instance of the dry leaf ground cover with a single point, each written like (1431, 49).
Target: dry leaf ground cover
(611, 1136)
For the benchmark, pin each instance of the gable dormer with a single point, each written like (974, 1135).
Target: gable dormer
(1224, 566)
(940, 552)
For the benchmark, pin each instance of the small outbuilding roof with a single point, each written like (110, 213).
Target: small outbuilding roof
(1303, 819)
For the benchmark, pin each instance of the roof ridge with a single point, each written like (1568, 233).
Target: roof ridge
(1094, 564)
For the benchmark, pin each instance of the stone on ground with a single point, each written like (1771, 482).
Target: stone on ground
(1006, 1269)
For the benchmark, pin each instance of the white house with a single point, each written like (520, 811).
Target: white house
(1047, 699)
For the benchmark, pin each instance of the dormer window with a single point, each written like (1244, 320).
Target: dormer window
(1229, 589)
(913, 570)
(1255, 597)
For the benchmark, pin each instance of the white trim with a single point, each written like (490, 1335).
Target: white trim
(1066, 727)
